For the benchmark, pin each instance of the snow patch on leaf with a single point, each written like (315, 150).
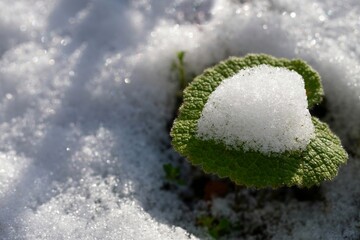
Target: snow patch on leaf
(260, 108)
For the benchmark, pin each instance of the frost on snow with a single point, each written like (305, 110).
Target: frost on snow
(261, 108)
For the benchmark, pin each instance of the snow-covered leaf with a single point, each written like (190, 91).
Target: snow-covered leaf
(319, 161)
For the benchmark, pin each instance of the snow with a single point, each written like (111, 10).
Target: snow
(86, 93)
(260, 108)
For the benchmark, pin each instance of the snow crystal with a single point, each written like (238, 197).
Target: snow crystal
(261, 108)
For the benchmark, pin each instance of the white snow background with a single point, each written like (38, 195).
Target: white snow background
(86, 93)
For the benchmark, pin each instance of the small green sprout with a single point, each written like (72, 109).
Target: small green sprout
(179, 65)
(318, 161)
(215, 227)
(172, 174)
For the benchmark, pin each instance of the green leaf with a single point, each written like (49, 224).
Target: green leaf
(173, 174)
(318, 162)
(181, 55)
(215, 227)
(179, 65)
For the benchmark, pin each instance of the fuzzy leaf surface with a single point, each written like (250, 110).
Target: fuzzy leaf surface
(318, 162)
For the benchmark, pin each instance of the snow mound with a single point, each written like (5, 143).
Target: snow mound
(261, 108)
